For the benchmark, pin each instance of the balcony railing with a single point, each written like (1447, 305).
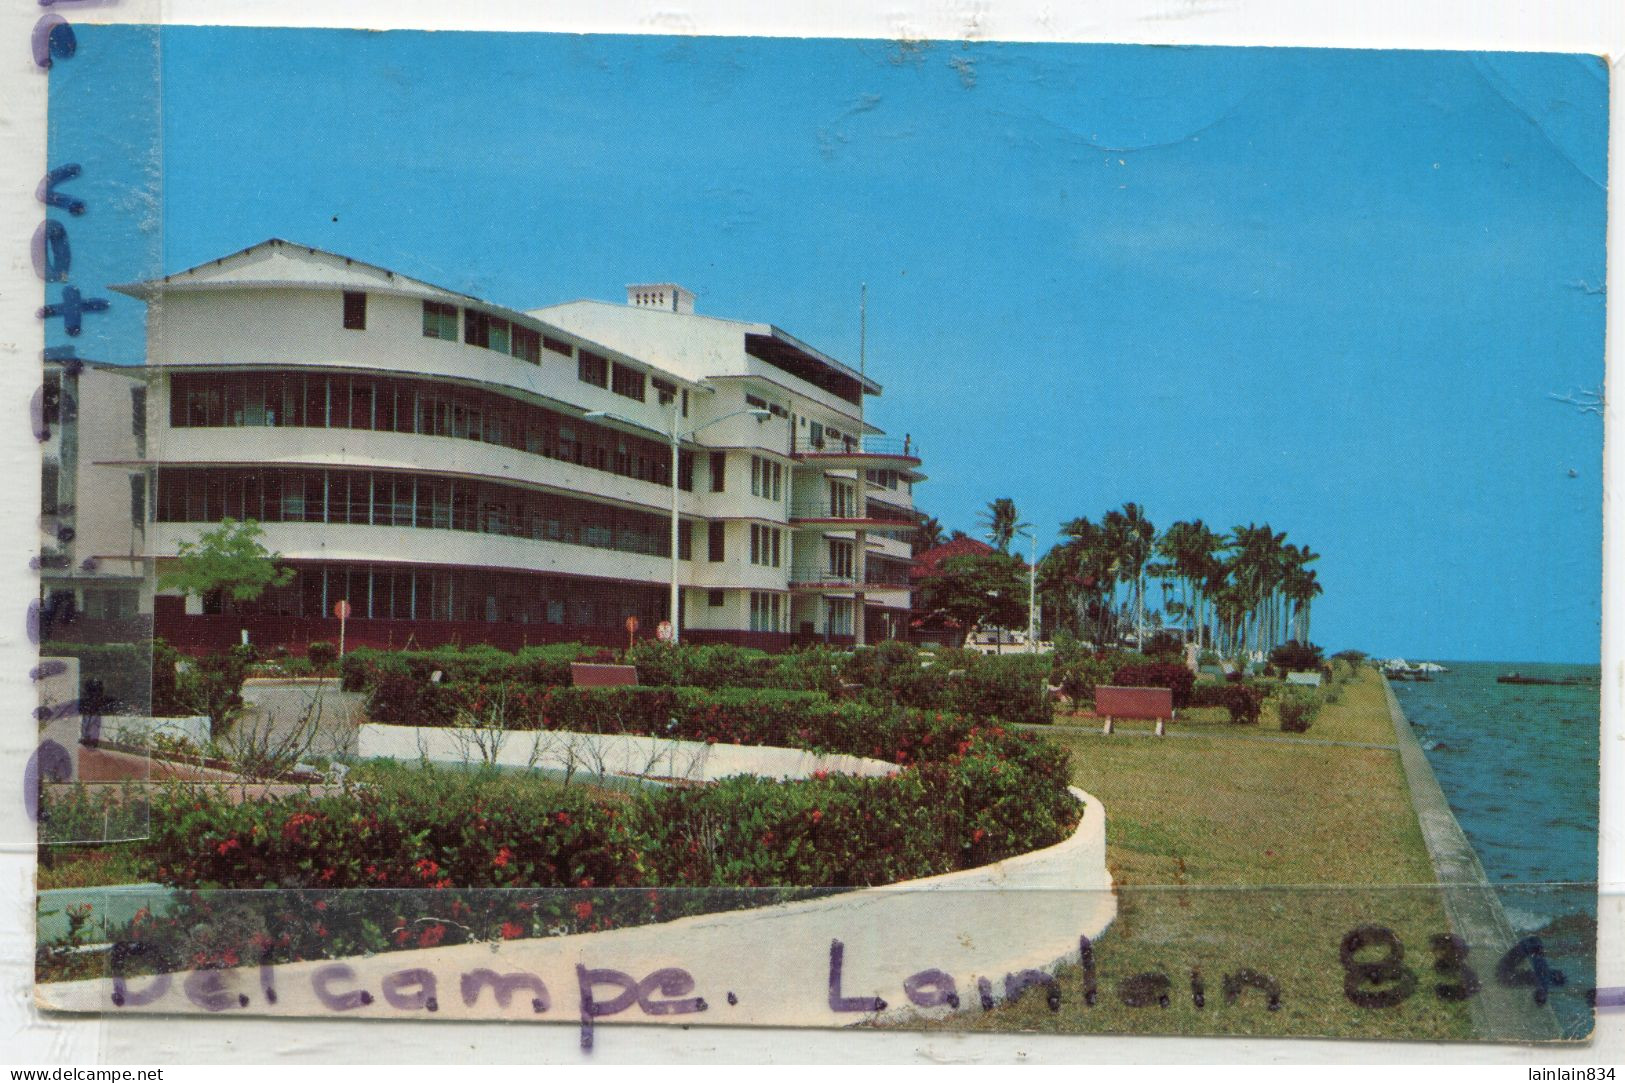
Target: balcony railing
(871, 445)
(829, 579)
(896, 518)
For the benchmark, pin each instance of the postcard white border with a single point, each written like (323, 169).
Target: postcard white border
(1592, 26)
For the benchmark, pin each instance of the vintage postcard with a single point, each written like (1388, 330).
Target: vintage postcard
(595, 529)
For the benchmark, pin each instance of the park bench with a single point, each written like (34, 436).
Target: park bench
(601, 675)
(1115, 701)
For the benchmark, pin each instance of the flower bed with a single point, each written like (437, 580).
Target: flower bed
(418, 857)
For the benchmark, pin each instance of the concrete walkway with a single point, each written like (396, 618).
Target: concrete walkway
(1499, 1013)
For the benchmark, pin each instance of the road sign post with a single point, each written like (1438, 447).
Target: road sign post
(341, 610)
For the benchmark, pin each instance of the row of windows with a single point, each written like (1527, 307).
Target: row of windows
(756, 402)
(385, 592)
(369, 498)
(479, 329)
(765, 543)
(888, 479)
(766, 478)
(423, 407)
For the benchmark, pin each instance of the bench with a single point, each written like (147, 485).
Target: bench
(600, 675)
(1116, 701)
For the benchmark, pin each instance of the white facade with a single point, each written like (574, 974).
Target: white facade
(439, 461)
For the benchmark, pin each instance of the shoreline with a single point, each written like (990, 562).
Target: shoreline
(1474, 909)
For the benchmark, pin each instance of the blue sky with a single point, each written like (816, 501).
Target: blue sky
(1341, 292)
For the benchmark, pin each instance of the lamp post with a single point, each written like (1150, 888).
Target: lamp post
(677, 436)
(1032, 594)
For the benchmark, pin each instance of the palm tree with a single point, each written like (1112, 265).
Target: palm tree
(1189, 550)
(1300, 586)
(928, 535)
(1003, 522)
(1078, 575)
(1133, 538)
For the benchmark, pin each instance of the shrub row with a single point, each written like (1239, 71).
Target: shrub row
(805, 720)
(365, 668)
(1158, 675)
(1244, 700)
(1010, 688)
(113, 677)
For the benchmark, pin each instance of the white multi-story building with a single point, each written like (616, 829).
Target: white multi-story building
(459, 471)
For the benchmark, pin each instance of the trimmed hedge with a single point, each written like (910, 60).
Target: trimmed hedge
(113, 677)
(1010, 688)
(364, 667)
(1243, 700)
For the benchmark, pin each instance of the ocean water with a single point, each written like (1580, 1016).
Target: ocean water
(1518, 764)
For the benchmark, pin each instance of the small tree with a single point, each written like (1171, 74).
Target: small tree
(230, 559)
(982, 588)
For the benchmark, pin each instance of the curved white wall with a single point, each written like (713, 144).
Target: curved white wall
(611, 754)
(991, 923)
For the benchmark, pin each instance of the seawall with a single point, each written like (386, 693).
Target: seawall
(1500, 1013)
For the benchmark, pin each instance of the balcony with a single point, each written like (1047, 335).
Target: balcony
(873, 452)
(830, 579)
(877, 519)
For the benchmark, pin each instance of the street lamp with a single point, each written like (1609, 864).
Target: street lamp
(1032, 594)
(677, 436)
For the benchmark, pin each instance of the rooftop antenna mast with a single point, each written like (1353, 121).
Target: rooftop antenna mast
(863, 341)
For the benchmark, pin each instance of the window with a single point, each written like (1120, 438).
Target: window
(51, 398)
(138, 412)
(685, 402)
(817, 436)
(593, 369)
(843, 501)
(766, 545)
(50, 480)
(138, 499)
(558, 346)
(628, 381)
(714, 545)
(715, 598)
(355, 311)
(756, 402)
(527, 345)
(719, 466)
(766, 478)
(665, 391)
(766, 611)
(838, 619)
(685, 471)
(840, 559)
(500, 335)
(476, 327)
(440, 321)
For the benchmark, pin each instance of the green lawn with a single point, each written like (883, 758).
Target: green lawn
(1231, 854)
(1360, 715)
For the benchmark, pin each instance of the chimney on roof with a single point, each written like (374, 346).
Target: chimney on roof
(662, 295)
